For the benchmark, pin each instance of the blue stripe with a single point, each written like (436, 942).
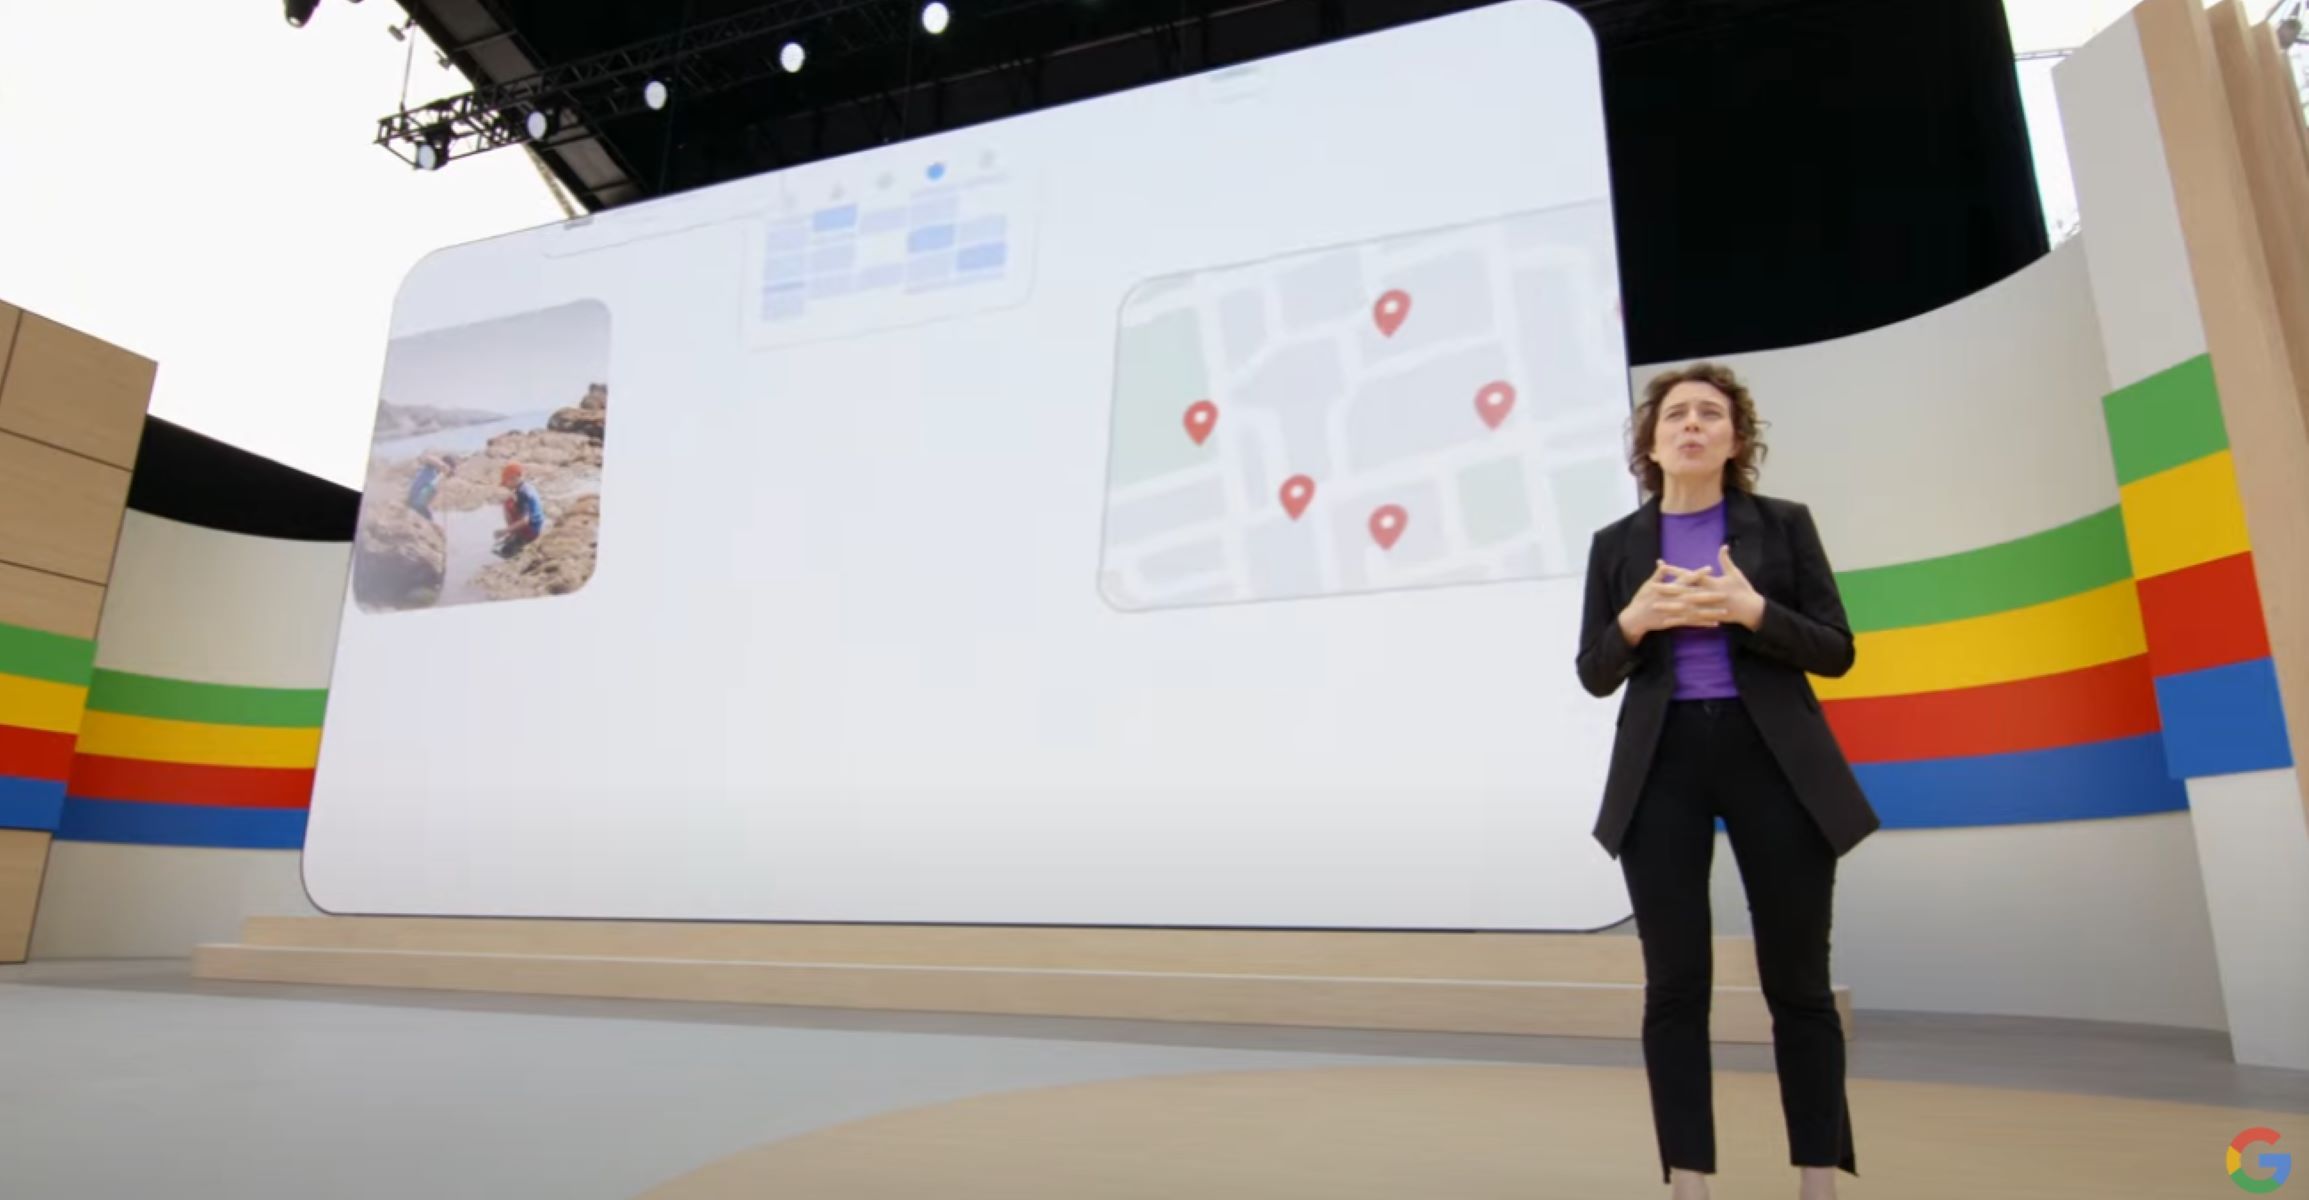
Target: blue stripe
(2224, 720)
(2121, 778)
(30, 803)
(182, 825)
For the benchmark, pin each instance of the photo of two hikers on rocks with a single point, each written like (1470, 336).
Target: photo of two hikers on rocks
(484, 477)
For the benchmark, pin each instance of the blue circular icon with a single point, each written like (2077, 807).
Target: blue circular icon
(937, 172)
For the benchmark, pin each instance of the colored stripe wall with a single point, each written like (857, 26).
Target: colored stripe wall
(2208, 643)
(2081, 672)
(134, 735)
(230, 765)
(2003, 685)
(44, 680)
(196, 712)
(202, 714)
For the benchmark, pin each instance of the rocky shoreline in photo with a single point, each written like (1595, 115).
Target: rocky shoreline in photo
(395, 421)
(401, 558)
(559, 563)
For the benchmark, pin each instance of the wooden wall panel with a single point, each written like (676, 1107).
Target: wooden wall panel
(59, 512)
(2278, 73)
(49, 603)
(2286, 143)
(72, 416)
(2274, 186)
(2244, 328)
(75, 392)
(10, 317)
(23, 857)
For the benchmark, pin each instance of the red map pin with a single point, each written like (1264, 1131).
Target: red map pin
(1387, 522)
(1298, 490)
(1494, 402)
(1389, 312)
(1201, 415)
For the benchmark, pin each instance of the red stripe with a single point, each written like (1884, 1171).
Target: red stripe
(2208, 615)
(98, 778)
(2096, 704)
(35, 753)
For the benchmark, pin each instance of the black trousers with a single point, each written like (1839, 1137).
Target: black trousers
(1712, 763)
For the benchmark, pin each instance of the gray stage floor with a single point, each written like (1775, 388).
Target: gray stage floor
(135, 1080)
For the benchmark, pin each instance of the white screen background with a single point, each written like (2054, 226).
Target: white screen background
(845, 657)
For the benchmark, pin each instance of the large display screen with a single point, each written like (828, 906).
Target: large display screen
(1167, 509)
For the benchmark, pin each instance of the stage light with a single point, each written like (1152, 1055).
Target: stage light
(299, 11)
(653, 93)
(791, 57)
(935, 17)
(433, 148)
(539, 125)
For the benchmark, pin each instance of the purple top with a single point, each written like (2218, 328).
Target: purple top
(1703, 656)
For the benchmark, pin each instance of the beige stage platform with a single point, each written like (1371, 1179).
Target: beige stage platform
(1575, 985)
(1476, 1133)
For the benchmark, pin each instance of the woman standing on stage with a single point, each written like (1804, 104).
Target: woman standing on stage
(1713, 604)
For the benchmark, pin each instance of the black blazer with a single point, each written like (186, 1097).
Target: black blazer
(1804, 632)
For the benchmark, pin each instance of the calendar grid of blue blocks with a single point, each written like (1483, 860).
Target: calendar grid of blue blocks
(906, 245)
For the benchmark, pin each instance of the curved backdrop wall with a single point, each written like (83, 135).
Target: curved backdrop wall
(196, 707)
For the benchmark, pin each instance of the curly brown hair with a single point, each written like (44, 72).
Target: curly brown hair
(1741, 470)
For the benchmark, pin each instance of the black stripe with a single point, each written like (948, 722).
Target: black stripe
(193, 478)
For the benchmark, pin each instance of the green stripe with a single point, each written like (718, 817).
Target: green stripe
(215, 703)
(2060, 562)
(2170, 418)
(36, 654)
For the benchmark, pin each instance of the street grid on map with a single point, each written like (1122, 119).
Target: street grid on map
(1442, 408)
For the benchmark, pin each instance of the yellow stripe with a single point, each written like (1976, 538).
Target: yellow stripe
(2084, 630)
(115, 736)
(39, 704)
(2188, 515)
